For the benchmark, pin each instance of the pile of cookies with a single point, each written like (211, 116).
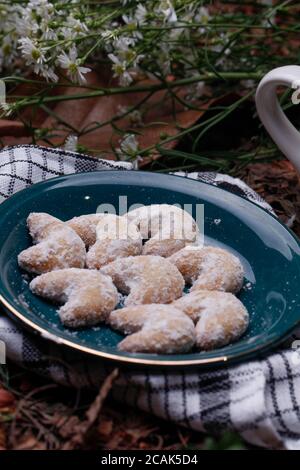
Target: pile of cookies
(149, 255)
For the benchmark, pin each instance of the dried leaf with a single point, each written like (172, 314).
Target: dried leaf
(3, 439)
(67, 425)
(105, 428)
(140, 433)
(278, 183)
(162, 115)
(82, 428)
(30, 442)
(6, 398)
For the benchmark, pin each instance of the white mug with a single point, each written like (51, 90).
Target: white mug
(284, 134)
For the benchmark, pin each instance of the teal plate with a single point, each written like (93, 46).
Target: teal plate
(268, 250)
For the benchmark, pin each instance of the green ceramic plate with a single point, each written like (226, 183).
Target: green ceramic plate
(268, 251)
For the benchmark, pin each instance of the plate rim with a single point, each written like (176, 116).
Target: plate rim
(219, 360)
(142, 361)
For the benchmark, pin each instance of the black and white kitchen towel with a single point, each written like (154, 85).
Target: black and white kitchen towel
(259, 399)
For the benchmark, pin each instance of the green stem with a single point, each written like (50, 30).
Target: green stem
(143, 88)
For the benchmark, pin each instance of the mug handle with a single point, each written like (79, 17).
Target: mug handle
(284, 134)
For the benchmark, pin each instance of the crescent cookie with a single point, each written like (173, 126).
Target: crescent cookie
(57, 246)
(209, 268)
(220, 317)
(115, 238)
(153, 328)
(85, 227)
(87, 296)
(167, 228)
(147, 279)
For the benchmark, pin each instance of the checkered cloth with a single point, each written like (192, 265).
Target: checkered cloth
(258, 399)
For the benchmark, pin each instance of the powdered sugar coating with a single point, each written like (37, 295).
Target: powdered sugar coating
(220, 317)
(85, 226)
(147, 279)
(164, 248)
(88, 296)
(209, 268)
(154, 328)
(57, 246)
(167, 228)
(116, 238)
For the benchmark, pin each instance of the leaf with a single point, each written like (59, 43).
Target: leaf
(105, 428)
(163, 114)
(6, 398)
(29, 442)
(3, 438)
(82, 428)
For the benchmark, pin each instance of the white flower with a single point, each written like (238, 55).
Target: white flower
(167, 9)
(120, 70)
(124, 43)
(125, 53)
(71, 143)
(42, 8)
(200, 89)
(129, 20)
(196, 91)
(32, 53)
(77, 25)
(6, 108)
(107, 34)
(34, 18)
(248, 83)
(26, 25)
(164, 60)
(74, 28)
(35, 55)
(129, 147)
(7, 52)
(141, 14)
(48, 34)
(132, 26)
(202, 16)
(135, 116)
(48, 73)
(71, 63)
(219, 47)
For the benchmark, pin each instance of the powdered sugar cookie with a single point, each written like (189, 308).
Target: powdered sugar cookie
(147, 279)
(88, 296)
(220, 317)
(57, 246)
(209, 268)
(167, 228)
(115, 238)
(164, 248)
(85, 227)
(153, 328)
